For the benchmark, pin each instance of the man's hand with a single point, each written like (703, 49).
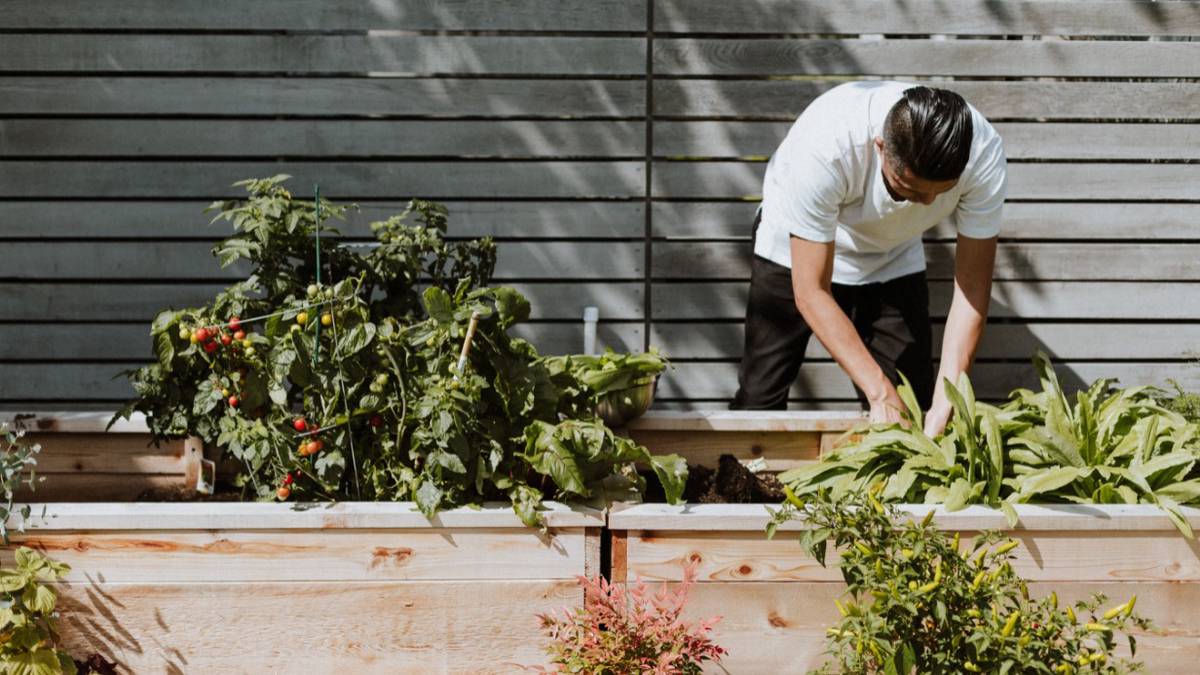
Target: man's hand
(887, 408)
(939, 414)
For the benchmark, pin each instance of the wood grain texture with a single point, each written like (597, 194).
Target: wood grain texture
(322, 54)
(1014, 341)
(778, 451)
(323, 96)
(296, 556)
(368, 627)
(750, 421)
(140, 301)
(269, 139)
(1010, 299)
(972, 17)
(1073, 221)
(966, 57)
(601, 15)
(786, 99)
(187, 220)
(86, 453)
(1066, 181)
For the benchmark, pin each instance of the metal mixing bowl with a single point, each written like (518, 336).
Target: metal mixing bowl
(618, 407)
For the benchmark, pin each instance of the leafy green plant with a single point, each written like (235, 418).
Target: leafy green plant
(17, 462)
(395, 379)
(1109, 446)
(1186, 403)
(611, 372)
(921, 602)
(621, 630)
(28, 636)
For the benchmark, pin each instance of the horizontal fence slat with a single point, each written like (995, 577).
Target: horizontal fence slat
(1010, 299)
(786, 99)
(1068, 181)
(1046, 140)
(324, 138)
(1047, 262)
(1022, 220)
(129, 341)
(140, 301)
(596, 15)
(158, 219)
(975, 58)
(316, 54)
(991, 380)
(708, 340)
(193, 261)
(973, 17)
(228, 97)
(389, 180)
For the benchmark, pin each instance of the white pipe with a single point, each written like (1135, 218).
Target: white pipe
(591, 315)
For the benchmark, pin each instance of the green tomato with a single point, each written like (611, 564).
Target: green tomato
(249, 351)
(184, 333)
(313, 290)
(381, 379)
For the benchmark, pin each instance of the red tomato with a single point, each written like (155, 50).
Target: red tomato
(314, 447)
(211, 347)
(376, 421)
(235, 324)
(288, 480)
(300, 424)
(239, 335)
(202, 335)
(226, 339)
(233, 401)
(283, 493)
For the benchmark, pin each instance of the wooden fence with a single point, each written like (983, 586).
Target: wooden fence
(615, 147)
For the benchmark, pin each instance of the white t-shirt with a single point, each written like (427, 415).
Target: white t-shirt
(824, 183)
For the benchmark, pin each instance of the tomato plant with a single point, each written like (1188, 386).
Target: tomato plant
(372, 404)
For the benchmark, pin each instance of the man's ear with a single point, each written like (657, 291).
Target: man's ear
(879, 143)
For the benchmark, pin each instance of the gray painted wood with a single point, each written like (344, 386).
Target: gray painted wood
(1030, 262)
(1022, 220)
(596, 15)
(972, 17)
(696, 301)
(1045, 140)
(387, 180)
(319, 138)
(320, 96)
(159, 219)
(786, 99)
(141, 301)
(1066, 181)
(976, 58)
(1081, 341)
(131, 341)
(316, 54)
(193, 261)
(991, 380)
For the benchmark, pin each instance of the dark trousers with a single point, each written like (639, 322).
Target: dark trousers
(892, 318)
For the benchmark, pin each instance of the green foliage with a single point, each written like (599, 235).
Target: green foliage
(1108, 446)
(1184, 402)
(28, 637)
(920, 603)
(611, 372)
(17, 462)
(370, 363)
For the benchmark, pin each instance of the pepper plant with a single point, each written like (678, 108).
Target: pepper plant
(395, 379)
(923, 602)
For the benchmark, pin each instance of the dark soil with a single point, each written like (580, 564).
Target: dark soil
(181, 493)
(96, 665)
(730, 483)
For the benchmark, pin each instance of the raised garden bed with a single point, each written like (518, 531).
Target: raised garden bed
(777, 602)
(350, 587)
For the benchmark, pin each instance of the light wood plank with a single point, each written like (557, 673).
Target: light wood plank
(991, 380)
(1010, 299)
(1022, 221)
(785, 100)
(96, 487)
(779, 627)
(1041, 556)
(1014, 262)
(777, 451)
(381, 627)
(601, 15)
(298, 53)
(322, 96)
(389, 180)
(972, 17)
(85, 453)
(139, 301)
(291, 516)
(175, 557)
(148, 260)
(976, 58)
(330, 138)
(154, 219)
(1046, 140)
(1067, 181)
(1083, 341)
(744, 421)
(75, 422)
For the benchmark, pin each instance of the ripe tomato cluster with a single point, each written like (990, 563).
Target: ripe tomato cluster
(284, 491)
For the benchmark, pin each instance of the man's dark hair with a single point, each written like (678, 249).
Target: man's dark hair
(929, 131)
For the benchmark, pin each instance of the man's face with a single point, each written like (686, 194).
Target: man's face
(904, 185)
